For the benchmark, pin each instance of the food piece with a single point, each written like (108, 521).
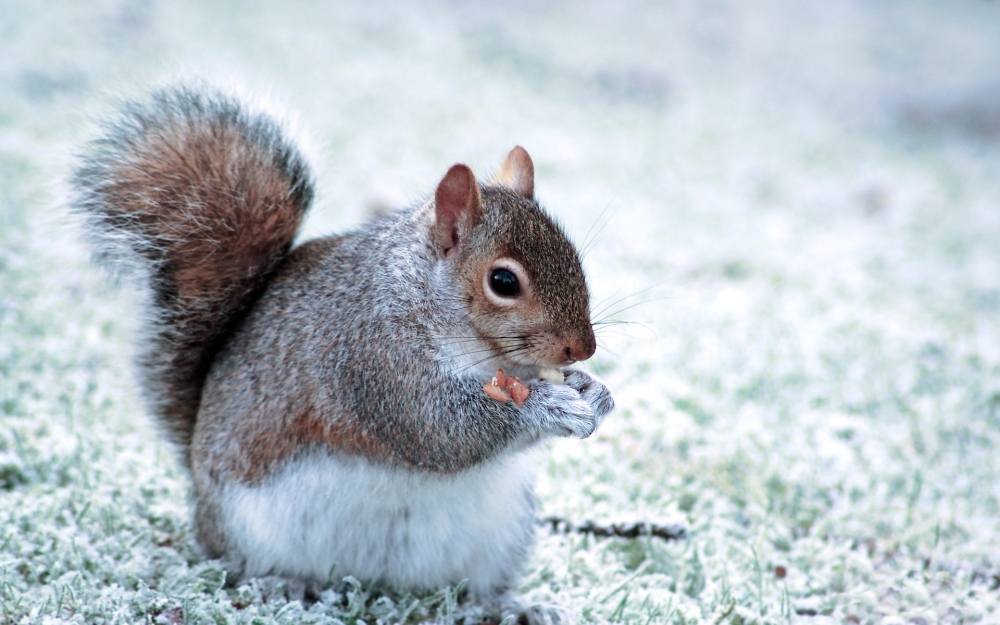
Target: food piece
(518, 392)
(495, 392)
(552, 375)
(497, 388)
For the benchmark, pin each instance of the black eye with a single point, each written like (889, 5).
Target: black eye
(504, 283)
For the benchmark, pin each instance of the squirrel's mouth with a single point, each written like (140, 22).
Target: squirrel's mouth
(551, 374)
(534, 372)
(534, 367)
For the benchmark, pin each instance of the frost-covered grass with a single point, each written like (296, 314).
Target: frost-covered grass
(805, 197)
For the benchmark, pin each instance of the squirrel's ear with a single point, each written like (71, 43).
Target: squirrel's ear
(457, 208)
(518, 173)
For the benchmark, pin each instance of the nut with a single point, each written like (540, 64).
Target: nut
(495, 392)
(518, 392)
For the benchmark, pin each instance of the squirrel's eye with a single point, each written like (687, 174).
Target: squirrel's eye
(504, 283)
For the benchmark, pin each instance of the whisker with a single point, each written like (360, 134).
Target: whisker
(465, 341)
(482, 350)
(597, 304)
(486, 338)
(621, 310)
(627, 297)
(636, 294)
(588, 243)
(591, 229)
(612, 327)
(608, 349)
(607, 330)
(492, 354)
(492, 357)
(631, 336)
(505, 345)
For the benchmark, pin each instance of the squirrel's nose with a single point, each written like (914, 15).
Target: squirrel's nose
(581, 347)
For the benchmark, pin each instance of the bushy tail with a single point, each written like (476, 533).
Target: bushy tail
(204, 198)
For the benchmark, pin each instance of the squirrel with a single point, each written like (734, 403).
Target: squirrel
(328, 398)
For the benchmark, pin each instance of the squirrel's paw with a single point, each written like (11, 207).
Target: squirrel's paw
(566, 411)
(544, 614)
(593, 391)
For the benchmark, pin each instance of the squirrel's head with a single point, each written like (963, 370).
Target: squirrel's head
(521, 278)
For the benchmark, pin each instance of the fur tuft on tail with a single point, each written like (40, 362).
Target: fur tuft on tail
(204, 198)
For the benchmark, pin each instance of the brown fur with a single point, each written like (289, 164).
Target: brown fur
(298, 434)
(518, 173)
(207, 200)
(512, 229)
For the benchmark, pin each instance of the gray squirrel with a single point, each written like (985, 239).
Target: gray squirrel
(329, 398)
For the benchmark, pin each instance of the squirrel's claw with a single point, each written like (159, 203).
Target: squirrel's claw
(593, 390)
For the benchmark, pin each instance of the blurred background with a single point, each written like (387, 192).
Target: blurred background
(795, 205)
(653, 96)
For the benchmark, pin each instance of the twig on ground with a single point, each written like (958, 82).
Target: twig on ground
(559, 525)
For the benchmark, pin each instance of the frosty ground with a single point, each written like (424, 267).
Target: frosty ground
(800, 200)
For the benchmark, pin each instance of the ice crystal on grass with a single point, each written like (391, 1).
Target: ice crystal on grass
(811, 385)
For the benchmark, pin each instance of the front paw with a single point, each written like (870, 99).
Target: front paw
(593, 391)
(566, 412)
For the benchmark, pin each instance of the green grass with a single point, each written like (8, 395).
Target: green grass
(800, 200)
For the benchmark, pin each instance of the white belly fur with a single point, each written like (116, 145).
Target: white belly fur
(406, 529)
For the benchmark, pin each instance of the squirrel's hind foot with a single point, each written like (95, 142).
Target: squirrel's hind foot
(544, 614)
(510, 612)
(273, 587)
